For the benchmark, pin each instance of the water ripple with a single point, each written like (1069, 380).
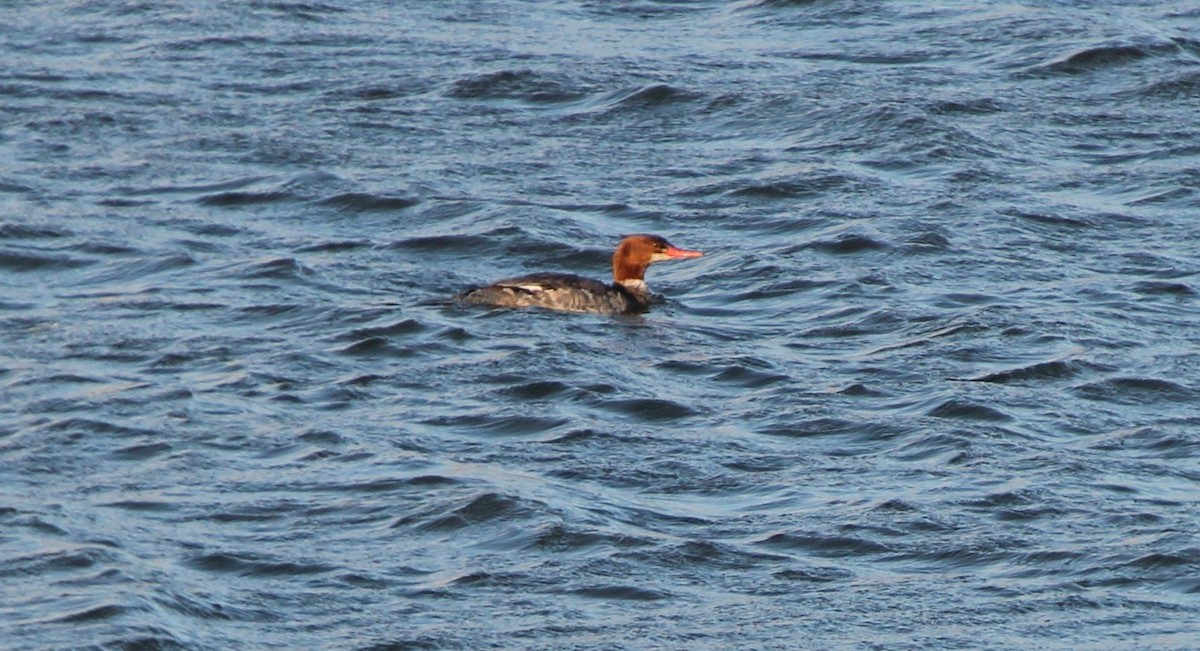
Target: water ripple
(931, 386)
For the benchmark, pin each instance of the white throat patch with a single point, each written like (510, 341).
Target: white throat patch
(637, 286)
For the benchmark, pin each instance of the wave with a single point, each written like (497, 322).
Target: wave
(364, 201)
(18, 260)
(1108, 55)
(620, 593)
(646, 99)
(11, 231)
(1051, 370)
(254, 565)
(521, 84)
(959, 409)
(236, 199)
(1164, 288)
(499, 425)
(1135, 391)
(826, 545)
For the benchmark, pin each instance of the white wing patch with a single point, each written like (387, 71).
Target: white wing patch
(532, 288)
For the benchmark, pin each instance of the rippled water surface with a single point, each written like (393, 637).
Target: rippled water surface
(934, 386)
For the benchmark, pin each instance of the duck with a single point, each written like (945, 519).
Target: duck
(627, 294)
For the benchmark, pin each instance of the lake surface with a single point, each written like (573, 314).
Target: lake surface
(935, 385)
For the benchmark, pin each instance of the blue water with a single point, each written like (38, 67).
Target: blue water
(935, 385)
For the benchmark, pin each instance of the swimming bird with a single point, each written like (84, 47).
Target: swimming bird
(627, 294)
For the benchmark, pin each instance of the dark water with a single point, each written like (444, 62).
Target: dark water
(935, 385)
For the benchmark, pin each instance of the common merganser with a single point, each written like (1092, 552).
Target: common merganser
(570, 293)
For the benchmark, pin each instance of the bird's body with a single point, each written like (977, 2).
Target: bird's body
(627, 294)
